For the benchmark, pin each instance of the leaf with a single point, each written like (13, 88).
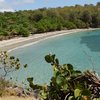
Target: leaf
(59, 80)
(77, 93)
(65, 87)
(12, 57)
(56, 73)
(76, 73)
(70, 67)
(53, 56)
(71, 98)
(48, 58)
(86, 92)
(17, 59)
(25, 66)
(43, 94)
(57, 61)
(30, 79)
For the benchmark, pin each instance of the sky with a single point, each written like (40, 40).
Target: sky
(15, 5)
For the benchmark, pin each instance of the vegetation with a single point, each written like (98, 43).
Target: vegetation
(24, 23)
(3, 85)
(68, 83)
(8, 64)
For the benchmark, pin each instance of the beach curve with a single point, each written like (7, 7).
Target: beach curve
(20, 42)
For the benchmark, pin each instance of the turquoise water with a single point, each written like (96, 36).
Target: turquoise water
(81, 49)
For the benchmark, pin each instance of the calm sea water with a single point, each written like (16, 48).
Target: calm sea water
(81, 49)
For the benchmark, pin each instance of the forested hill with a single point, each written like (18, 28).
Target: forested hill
(24, 23)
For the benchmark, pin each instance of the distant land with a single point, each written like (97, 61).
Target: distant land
(30, 22)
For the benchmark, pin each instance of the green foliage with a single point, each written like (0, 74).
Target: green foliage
(36, 16)
(77, 93)
(24, 23)
(81, 95)
(64, 84)
(80, 24)
(23, 31)
(70, 25)
(8, 64)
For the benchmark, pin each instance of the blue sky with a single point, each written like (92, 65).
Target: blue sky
(12, 5)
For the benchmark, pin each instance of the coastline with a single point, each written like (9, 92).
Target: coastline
(20, 42)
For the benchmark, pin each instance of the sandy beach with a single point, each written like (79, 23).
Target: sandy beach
(20, 42)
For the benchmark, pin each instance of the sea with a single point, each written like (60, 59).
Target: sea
(81, 49)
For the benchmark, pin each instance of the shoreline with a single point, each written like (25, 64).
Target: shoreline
(20, 42)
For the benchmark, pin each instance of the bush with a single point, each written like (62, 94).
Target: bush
(80, 24)
(69, 25)
(24, 32)
(67, 83)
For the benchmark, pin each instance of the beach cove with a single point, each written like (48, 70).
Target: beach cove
(20, 42)
(81, 49)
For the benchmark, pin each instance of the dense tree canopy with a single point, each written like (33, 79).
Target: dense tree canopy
(24, 23)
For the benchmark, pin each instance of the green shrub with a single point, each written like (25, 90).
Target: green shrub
(80, 24)
(66, 83)
(24, 32)
(69, 25)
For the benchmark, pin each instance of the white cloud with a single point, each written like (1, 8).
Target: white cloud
(6, 10)
(8, 6)
(4, 6)
(1, 1)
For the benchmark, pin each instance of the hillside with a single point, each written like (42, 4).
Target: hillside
(24, 23)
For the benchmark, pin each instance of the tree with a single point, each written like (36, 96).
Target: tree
(23, 31)
(87, 18)
(36, 16)
(52, 13)
(73, 16)
(8, 63)
(79, 23)
(96, 19)
(98, 4)
(69, 25)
